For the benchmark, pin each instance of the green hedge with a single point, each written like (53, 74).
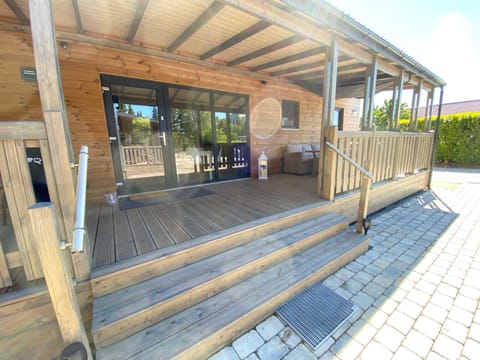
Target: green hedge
(458, 138)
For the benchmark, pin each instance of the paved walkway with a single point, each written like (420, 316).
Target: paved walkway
(418, 288)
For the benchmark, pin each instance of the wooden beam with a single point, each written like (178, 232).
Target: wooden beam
(315, 74)
(271, 13)
(364, 195)
(413, 126)
(358, 91)
(55, 116)
(58, 276)
(369, 98)
(245, 34)
(267, 49)
(142, 5)
(330, 164)
(212, 10)
(290, 58)
(78, 17)
(325, 14)
(5, 279)
(12, 4)
(330, 83)
(297, 68)
(22, 130)
(397, 100)
(429, 110)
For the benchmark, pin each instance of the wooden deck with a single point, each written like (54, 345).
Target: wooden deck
(121, 234)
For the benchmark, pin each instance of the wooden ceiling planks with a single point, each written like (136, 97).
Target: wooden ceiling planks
(226, 24)
(107, 19)
(161, 25)
(64, 15)
(19, 9)
(7, 14)
(271, 35)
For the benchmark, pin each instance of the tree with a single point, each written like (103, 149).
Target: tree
(381, 114)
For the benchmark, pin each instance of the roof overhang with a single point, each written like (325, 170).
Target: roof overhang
(282, 40)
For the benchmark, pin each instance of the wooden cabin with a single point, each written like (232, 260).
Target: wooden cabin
(183, 247)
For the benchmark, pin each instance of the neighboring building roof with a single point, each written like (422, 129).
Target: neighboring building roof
(454, 107)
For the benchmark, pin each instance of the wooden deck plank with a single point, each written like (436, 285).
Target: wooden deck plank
(104, 248)
(177, 233)
(160, 236)
(141, 236)
(124, 246)
(183, 220)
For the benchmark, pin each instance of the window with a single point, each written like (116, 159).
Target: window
(290, 114)
(338, 118)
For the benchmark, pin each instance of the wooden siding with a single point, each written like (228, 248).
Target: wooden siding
(80, 66)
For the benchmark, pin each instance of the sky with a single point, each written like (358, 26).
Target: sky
(442, 35)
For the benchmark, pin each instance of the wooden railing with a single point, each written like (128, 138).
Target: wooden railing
(392, 154)
(142, 155)
(21, 191)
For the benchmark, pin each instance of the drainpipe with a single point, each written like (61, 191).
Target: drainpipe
(435, 138)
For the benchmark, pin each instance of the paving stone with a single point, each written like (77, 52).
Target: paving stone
(447, 290)
(474, 332)
(418, 297)
(410, 308)
(375, 317)
(324, 346)
(352, 286)
(354, 266)
(274, 349)
(362, 300)
(466, 303)
(333, 282)
(403, 354)
(460, 315)
(373, 290)
(418, 343)
(374, 350)
(328, 356)
(455, 330)
(401, 322)
(225, 354)
(301, 352)
(447, 347)
(247, 344)
(363, 277)
(346, 348)
(289, 337)
(425, 287)
(427, 327)
(389, 337)
(442, 301)
(471, 350)
(270, 327)
(252, 357)
(344, 293)
(362, 332)
(344, 274)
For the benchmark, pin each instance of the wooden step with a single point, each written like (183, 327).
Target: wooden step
(124, 312)
(111, 278)
(201, 330)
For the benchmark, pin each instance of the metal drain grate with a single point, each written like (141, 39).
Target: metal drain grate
(316, 313)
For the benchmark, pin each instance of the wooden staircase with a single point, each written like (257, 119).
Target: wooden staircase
(190, 300)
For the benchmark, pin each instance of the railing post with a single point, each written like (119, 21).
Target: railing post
(330, 165)
(396, 155)
(364, 193)
(415, 154)
(57, 275)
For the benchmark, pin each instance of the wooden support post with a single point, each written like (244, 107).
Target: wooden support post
(58, 275)
(415, 102)
(328, 106)
(415, 154)
(363, 204)
(428, 111)
(370, 90)
(329, 171)
(397, 100)
(5, 279)
(55, 116)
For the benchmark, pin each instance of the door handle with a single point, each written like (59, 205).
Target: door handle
(163, 138)
(112, 138)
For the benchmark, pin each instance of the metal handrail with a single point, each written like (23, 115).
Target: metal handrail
(349, 159)
(78, 243)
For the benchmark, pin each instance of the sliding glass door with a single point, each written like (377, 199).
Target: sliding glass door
(165, 136)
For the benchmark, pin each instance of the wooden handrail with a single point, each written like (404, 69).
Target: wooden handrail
(78, 243)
